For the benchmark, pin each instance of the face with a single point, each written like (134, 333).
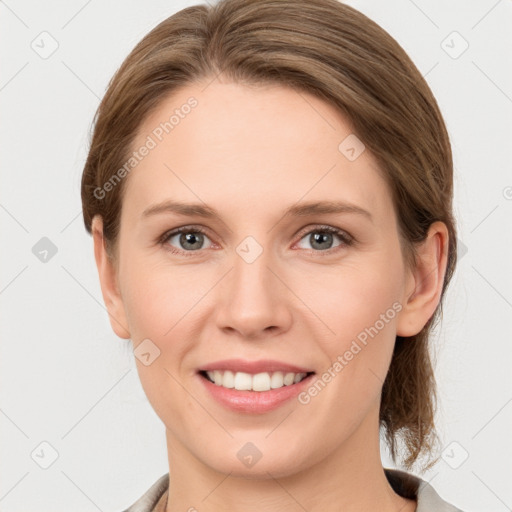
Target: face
(314, 289)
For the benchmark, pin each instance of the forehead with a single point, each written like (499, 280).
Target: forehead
(239, 146)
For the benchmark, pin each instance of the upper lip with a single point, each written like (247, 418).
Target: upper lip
(253, 367)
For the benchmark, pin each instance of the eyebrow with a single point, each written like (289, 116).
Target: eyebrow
(298, 210)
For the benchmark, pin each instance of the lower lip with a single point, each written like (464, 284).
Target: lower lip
(256, 402)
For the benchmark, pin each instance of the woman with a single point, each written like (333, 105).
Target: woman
(269, 190)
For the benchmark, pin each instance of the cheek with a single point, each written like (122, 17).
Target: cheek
(160, 304)
(158, 298)
(351, 298)
(358, 306)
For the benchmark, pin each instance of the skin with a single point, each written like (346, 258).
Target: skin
(250, 152)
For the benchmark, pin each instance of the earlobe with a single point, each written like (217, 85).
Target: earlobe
(108, 281)
(425, 282)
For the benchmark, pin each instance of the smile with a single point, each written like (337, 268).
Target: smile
(264, 381)
(255, 394)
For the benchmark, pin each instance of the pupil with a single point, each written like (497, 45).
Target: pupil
(320, 238)
(188, 240)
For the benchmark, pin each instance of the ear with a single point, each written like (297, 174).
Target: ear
(424, 284)
(108, 280)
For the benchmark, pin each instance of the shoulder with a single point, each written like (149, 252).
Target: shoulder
(147, 502)
(413, 487)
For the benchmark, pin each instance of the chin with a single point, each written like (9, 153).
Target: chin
(261, 467)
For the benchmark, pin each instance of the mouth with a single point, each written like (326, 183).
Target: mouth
(257, 382)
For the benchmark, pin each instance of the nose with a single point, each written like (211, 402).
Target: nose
(253, 300)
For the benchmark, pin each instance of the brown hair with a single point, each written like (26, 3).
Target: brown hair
(336, 53)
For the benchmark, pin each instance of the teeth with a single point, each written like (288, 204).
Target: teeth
(276, 381)
(259, 382)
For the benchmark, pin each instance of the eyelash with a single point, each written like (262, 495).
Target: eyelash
(346, 239)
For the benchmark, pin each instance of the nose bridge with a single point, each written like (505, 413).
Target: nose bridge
(251, 275)
(253, 299)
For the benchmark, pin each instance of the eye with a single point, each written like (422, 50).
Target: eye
(321, 238)
(187, 239)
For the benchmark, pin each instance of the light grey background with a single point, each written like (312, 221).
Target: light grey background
(67, 380)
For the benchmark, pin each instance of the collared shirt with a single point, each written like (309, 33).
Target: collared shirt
(403, 483)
